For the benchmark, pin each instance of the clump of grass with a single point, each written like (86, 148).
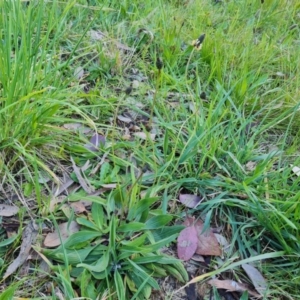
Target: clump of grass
(35, 98)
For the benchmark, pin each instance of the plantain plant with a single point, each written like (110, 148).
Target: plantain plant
(117, 250)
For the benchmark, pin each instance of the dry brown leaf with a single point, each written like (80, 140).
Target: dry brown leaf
(187, 243)
(84, 184)
(102, 161)
(190, 200)
(55, 201)
(67, 210)
(257, 279)
(67, 182)
(232, 286)
(250, 166)
(28, 238)
(97, 35)
(10, 233)
(77, 127)
(65, 229)
(8, 210)
(78, 73)
(109, 185)
(296, 170)
(124, 119)
(100, 36)
(126, 137)
(207, 242)
(95, 142)
(199, 258)
(86, 203)
(78, 207)
(174, 104)
(223, 242)
(192, 107)
(144, 136)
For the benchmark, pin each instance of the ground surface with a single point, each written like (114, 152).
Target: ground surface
(134, 135)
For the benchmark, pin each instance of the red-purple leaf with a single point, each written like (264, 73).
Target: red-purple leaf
(189, 200)
(187, 243)
(95, 142)
(207, 242)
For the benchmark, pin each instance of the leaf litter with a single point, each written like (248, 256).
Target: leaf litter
(232, 286)
(256, 277)
(8, 210)
(96, 141)
(207, 242)
(28, 239)
(61, 234)
(190, 200)
(83, 182)
(187, 243)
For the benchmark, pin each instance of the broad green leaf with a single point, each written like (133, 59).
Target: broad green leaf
(112, 233)
(181, 269)
(87, 223)
(93, 199)
(74, 256)
(174, 272)
(99, 266)
(8, 241)
(99, 275)
(125, 253)
(112, 176)
(158, 245)
(207, 221)
(166, 231)
(244, 296)
(133, 226)
(117, 198)
(81, 237)
(98, 214)
(150, 257)
(147, 259)
(140, 207)
(130, 283)
(105, 170)
(86, 284)
(119, 285)
(156, 270)
(158, 221)
(141, 272)
(8, 294)
(135, 242)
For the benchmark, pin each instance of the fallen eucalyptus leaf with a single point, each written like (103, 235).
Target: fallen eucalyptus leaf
(296, 170)
(8, 210)
(257, 279)
(84, 184)
(95, 142)
(190, 200)
(207, 242)
(144, 136)
(28, 238)
(232, 286)
(64, 231)
(124, 119)
(78, 73)
(187, 243)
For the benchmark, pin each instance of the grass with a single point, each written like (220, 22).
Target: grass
(248, 73)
